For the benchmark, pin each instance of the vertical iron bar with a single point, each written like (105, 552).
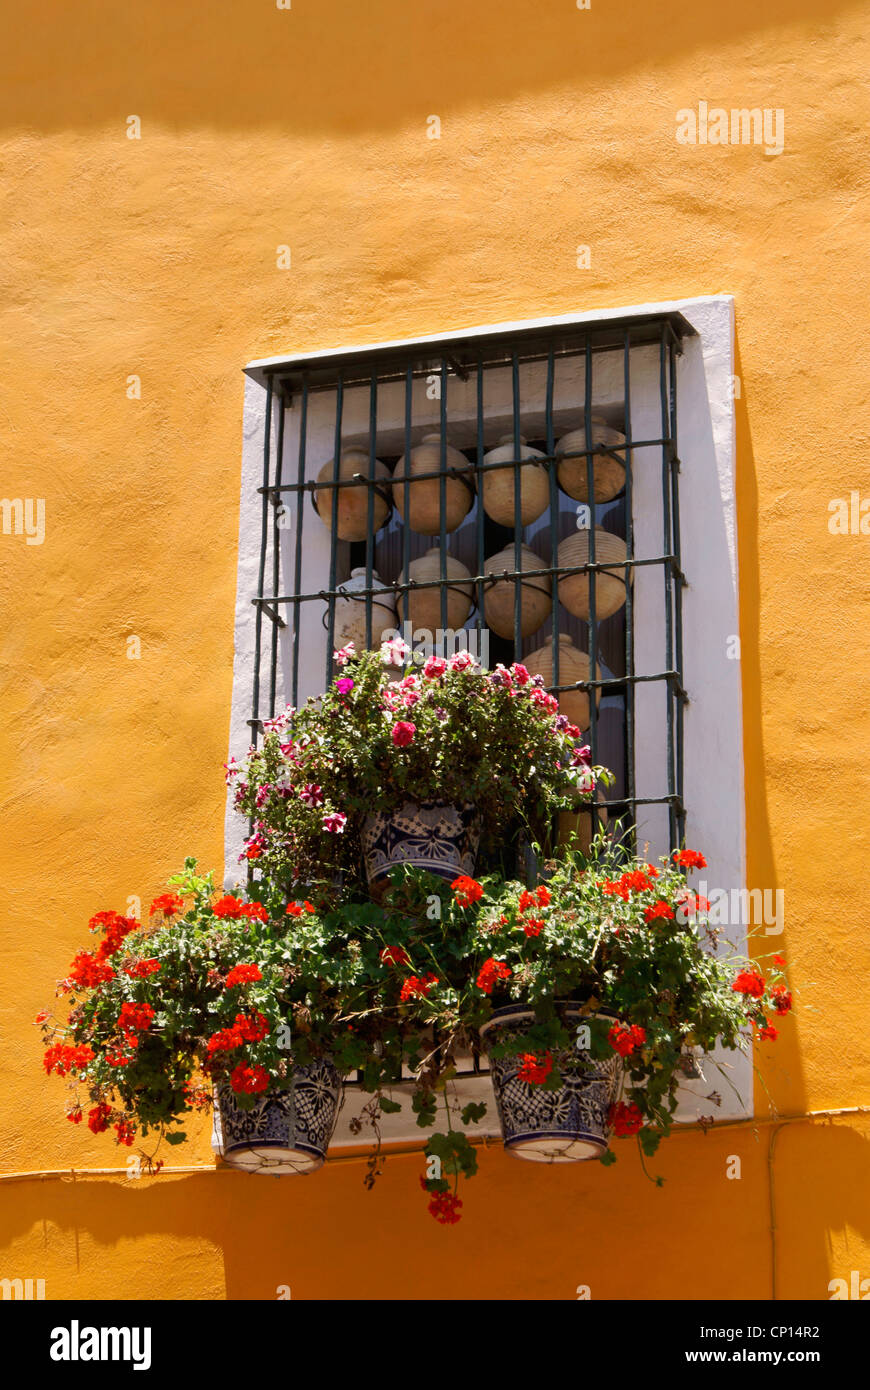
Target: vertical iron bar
(276, 548)
(333, 539)
(442, 498)
(370, 500)
(554, 514)
(678, 585)
(481, 515)
(668, 576)
(593, 622)
(403, 611)
(518, 511)
(264, 539)
(300, 516)
(554, 535)
(629, 596)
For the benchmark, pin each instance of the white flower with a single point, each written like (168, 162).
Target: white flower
(395, 652)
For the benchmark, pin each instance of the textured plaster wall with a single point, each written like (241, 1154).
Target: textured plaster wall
(157, 257)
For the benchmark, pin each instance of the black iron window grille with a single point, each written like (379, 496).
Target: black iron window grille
(532, 387)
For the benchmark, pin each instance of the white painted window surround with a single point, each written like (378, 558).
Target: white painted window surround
(713, 746)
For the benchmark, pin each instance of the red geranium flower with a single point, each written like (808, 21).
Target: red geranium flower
(249, 1080)
(98, 1118)
(251, 1027)
(141, 969)
(533, 926)
(228, 906)
(243, 975)
(403, 733)
(135, 1016)
(768, 1031)
(782, 1000)
(690, 859)
(533, 1069)
(625, 1038)
(749, 982)
(116, 1057)
(66, 1057)
(417, 987)
(170, 904)
(491, 971)
(395, 955)
(444, 1206)
(466, 890)
(624, 1120)
(632, 881)
(115, 928)
(88, 972)
(225, 1040)
(125, 1131)
(661, 909)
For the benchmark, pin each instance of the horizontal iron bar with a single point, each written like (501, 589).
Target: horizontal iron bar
(493, 348)
(312, 485)
(487, 580)
(620, 682)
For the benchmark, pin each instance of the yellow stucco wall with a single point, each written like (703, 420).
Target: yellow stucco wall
(157, 257)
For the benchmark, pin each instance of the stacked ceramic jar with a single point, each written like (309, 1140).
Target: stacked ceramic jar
(435, 480)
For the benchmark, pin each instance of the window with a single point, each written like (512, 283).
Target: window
(651, 596)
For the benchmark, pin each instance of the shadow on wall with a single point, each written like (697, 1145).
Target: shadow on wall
(526, 1232)
(761, 871)
(331, 66)
(780, 1064)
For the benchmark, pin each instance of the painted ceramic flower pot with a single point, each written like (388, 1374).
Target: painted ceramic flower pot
(561, 1126)
(433, 835)
(286, 1131)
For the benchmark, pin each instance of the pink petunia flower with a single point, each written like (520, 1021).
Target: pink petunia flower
(403, 733)
(461, 661)
(335, 822)
(395, 652)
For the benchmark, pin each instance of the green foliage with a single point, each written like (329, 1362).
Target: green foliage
(487, 739)
(404, 984)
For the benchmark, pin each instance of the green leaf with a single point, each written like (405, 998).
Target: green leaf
(177, 1137)
(472, 1113)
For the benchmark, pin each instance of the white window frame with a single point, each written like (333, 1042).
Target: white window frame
(714, 781)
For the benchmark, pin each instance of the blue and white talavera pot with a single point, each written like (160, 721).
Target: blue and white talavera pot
(433, 835)
(565, 1125)
(286, 1131)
